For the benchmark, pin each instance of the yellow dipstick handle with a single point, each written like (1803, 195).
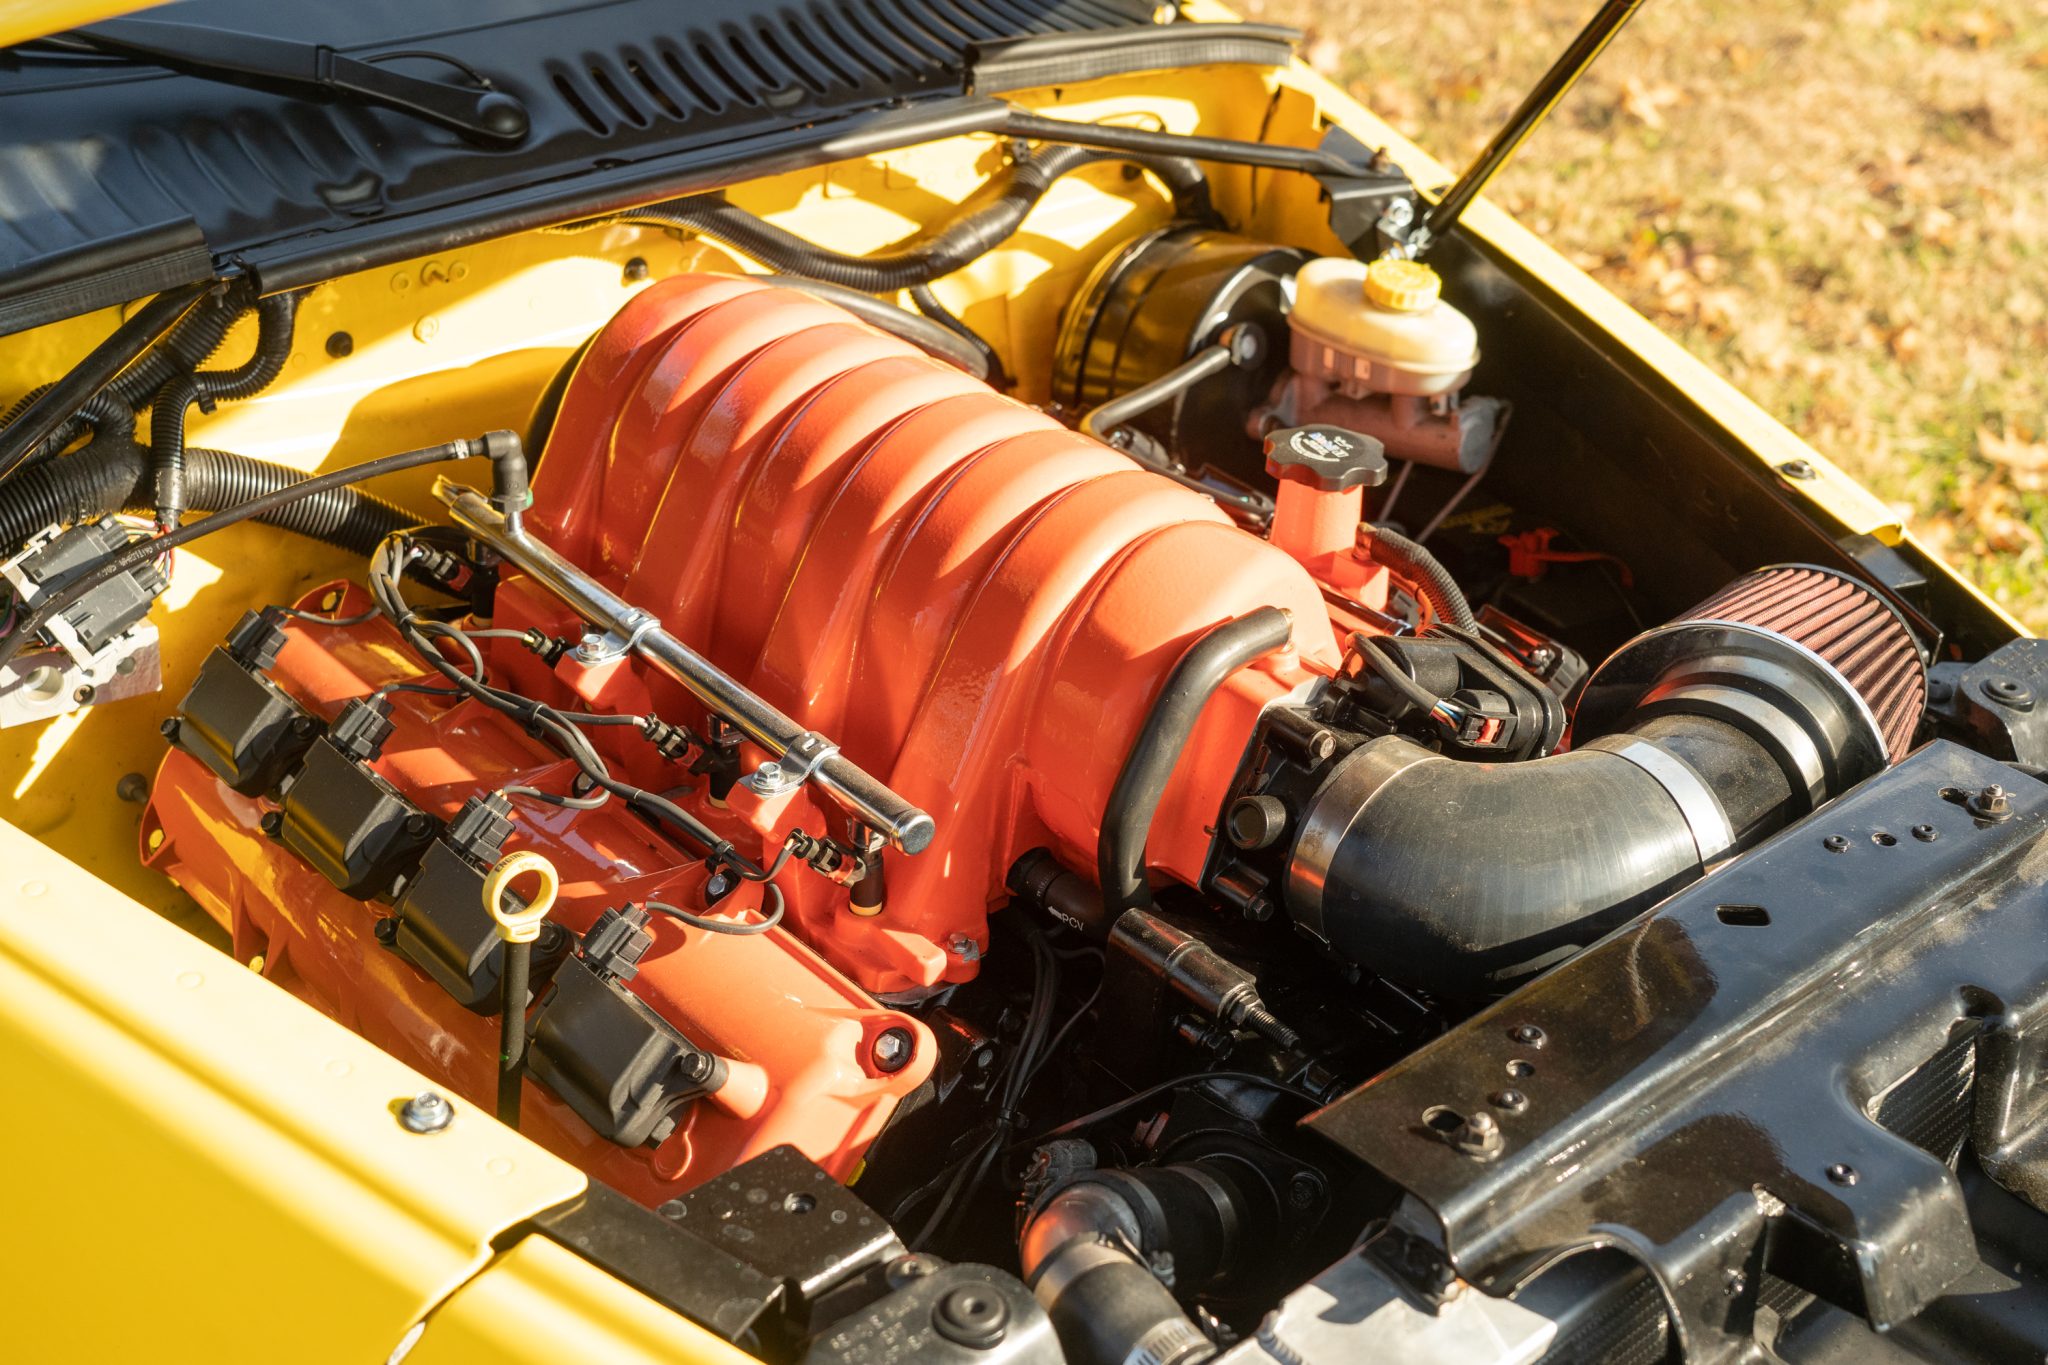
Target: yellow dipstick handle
(517, 925)
(518, 928)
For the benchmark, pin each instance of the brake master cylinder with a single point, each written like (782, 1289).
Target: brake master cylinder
(1375, 349)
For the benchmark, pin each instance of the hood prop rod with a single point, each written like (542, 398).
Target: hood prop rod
(1534, 108)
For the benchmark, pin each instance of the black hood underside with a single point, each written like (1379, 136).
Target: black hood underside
(118, 177)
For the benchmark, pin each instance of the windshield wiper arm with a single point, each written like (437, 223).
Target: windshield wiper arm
(282, 66)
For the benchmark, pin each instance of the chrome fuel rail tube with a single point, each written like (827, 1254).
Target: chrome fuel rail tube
(802, 755)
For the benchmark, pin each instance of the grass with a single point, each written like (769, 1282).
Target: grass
(1841, 206)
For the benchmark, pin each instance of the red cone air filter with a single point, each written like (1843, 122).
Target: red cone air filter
(1848, 626)
(1811, 664)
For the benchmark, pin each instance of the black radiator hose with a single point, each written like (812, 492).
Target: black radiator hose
(277, 319)
(1076, 1254)
(1141, 782)
(976, 231)
(116, 476)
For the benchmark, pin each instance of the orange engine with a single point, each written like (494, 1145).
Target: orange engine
(976, 604)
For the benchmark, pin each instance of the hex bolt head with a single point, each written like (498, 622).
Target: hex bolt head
(1993, 803)
(1479, 1136)
(1835, 843)
(1798, 469)
(1304, 1190)
(1528, 1035)
(893, 1049)
(426, 1112)
(1841, 1173)
(972, 1315)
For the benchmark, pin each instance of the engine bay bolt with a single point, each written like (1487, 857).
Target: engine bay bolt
(963, 947)
(132, 787)
(1798, 469)
(1842, 1174)
(426, 1112)
(1508, 1101)
(1304, 1190)
(1528, 1035)
(892, 1050)
(1835, 843)
(770, 779)
(636, 270)
(904, 1269)
(1992, 803)
(1478, 1136)
(1926, 834)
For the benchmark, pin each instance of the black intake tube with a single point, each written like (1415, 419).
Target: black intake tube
(1141, 782)
(973, 233)
(1464, 878)
(115, 476)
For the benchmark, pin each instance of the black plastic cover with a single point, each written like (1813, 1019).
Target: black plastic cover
(128, 165)
(245, 728)
(357, 829)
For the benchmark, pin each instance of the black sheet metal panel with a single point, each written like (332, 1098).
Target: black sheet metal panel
(1707, 1088)
(629, 100)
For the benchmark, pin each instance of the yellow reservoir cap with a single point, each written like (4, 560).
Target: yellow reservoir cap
(1403, 286)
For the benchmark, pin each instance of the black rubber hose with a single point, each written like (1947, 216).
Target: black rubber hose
(1465, 878)
(928, 304)
(115, 476)
(1141, 782)
(923, 333)
(277, 320)
(1426, 572)
(976, 231)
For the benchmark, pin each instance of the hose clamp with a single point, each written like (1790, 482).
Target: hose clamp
(1697, 805)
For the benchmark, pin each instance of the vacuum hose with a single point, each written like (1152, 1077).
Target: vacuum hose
(1141, 782)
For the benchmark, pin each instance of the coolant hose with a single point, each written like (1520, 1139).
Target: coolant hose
(1141, 782)
(116, 476)
(976, 231)
(1076, 1254)
(1426, 572)
(277, 318)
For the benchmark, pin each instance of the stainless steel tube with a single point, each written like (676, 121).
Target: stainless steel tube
(802, 754)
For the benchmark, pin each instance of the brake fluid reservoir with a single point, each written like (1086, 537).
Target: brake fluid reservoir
(1379, 328)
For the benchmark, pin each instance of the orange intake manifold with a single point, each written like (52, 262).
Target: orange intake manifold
(976, 603)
